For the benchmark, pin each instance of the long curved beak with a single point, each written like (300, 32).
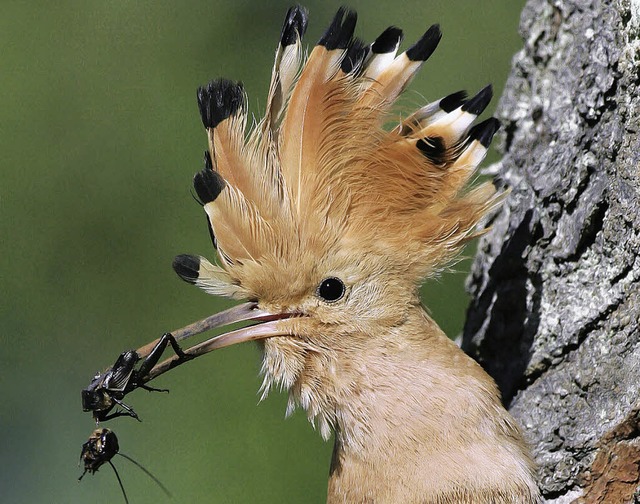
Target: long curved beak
(266, 327)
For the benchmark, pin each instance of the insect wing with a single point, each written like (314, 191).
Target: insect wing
(120, 373)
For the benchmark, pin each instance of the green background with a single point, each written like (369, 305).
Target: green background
(99, 139)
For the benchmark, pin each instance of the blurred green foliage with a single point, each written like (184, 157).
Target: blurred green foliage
(100, 136)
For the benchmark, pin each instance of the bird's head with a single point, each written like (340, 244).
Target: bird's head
(324, 215)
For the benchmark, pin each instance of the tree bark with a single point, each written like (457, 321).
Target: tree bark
(556, 299)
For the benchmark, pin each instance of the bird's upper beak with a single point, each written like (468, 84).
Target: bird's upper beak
(266, 326)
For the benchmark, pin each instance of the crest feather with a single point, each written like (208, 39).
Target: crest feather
(320, 171)
(211, 278)
(285, 68)
(308, 111)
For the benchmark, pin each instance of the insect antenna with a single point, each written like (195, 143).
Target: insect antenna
(124, 494)
(100, 448)
(147, 472)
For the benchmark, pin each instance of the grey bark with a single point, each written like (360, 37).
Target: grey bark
(556, 299)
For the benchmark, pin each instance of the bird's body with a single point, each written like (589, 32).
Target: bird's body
(329, 222)
(444, 438)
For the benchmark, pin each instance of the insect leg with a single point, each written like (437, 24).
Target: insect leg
(128, 411)
(154, 356)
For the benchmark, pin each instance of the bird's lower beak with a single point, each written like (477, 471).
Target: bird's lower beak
(267, 326)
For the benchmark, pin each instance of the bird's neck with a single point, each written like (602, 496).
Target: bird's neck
(424, 423)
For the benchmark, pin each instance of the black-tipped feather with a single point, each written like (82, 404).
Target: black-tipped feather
(355, 56)
(453, 101)
(479, 102)
(340, 31)
(187, 267)
(433, 149)
(295, 24)
(484, 131)
(388, 41)
(208, 185)
(423, 48)
(218, 100)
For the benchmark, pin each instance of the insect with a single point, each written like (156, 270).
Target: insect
(99, 449)
(107, 389)
(134, 368)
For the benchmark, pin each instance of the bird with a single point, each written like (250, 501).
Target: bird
(326, 215)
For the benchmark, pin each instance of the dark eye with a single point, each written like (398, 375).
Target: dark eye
(331, 289)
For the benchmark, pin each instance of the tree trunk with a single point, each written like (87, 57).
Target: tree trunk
(556, 299)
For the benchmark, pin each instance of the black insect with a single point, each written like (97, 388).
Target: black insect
(99, 449)
(134, 368)
(107, 389)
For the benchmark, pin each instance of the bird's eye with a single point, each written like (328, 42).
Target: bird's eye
(331, 289)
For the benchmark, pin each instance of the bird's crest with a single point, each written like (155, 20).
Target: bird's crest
(321, 172)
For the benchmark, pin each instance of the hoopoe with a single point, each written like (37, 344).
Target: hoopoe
(327, 221)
